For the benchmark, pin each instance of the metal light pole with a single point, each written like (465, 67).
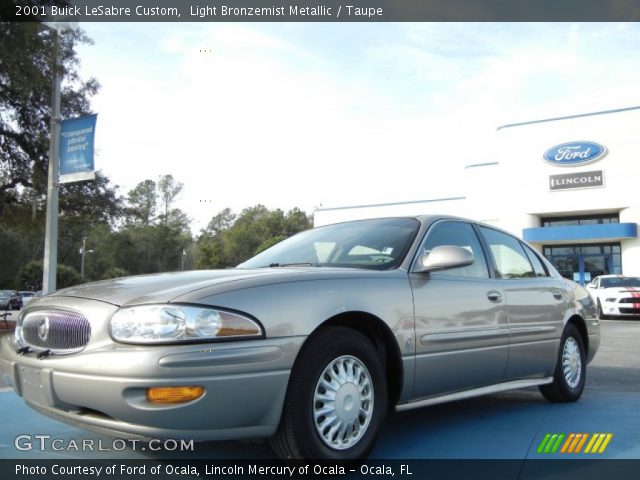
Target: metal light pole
(50, 265)
(83, 250)
(51, 232)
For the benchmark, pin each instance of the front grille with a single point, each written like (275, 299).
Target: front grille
(630, 300)
(630, 311)
(60, 331)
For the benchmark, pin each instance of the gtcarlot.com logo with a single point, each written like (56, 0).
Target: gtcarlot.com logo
(575, 443)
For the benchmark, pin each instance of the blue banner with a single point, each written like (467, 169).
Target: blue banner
(76, 149)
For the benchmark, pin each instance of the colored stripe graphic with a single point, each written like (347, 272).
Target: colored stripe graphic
(574, 443)
(543, 443)
(582, 441)
(597, 443)
(570, 439)
(551, 442)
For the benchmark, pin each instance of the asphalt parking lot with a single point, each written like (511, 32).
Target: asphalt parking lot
(510, 425)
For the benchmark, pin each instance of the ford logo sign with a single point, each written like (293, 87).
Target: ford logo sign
(574, 153)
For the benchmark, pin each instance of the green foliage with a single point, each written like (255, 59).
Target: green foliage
(30, 276)
(26, 70)
(115, 272)
(17, 252)
(269, 242)
(142, 203)
(229, 240)
(168, 190)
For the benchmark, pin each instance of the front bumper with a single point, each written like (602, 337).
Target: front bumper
(104, 389)
(621, 309)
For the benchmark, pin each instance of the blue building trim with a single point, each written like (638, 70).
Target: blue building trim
(600, 232)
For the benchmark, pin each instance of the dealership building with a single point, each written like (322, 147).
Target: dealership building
(570, 186)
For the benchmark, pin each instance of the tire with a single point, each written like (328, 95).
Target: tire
(571, 369)
(601, 315)
(329, 359)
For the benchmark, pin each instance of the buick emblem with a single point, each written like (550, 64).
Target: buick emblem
(43, 329)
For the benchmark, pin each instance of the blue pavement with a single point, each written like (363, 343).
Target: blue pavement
(504, 426)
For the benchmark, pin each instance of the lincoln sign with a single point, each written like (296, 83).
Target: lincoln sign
(576, 180)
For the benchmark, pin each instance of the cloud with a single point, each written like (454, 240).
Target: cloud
(332, 114)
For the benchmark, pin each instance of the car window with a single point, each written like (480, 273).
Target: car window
(458, 234)
(510, 258)
(538, 268)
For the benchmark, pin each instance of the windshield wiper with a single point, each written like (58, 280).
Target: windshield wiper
(303, 264)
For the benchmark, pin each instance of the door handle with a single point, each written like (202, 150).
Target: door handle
(557, 296)
(494, 296)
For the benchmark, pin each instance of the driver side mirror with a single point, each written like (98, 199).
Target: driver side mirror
(443, 257)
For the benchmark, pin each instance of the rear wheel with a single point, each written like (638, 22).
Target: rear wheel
(336, 400)
(571, 369)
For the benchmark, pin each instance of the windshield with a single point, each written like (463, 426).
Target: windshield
(620, 282)
(6, 293)
(378, 244)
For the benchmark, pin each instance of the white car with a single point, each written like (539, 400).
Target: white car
(616, 295)
(26, 296)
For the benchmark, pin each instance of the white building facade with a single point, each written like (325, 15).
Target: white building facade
(570, 186)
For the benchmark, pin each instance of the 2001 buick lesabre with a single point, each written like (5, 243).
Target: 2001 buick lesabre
(310, 342)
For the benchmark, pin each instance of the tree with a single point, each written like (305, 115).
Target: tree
(220, 222)
(229, 240)
(26, 70)
(84, 206)
(142, 203)
(168, 190)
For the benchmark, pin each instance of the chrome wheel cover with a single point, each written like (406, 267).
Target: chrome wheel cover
(571, 362)
(343, 402)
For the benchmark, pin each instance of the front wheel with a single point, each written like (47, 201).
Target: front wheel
(571, 369)
(601, 315)
(336, 400)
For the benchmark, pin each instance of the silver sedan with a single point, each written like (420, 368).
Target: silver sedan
(311, 342)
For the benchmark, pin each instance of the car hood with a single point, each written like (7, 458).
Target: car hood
(159, 287)
(166, 287)
(622, 291)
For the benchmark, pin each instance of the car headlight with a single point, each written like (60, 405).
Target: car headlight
(179, 323)
(610, 300)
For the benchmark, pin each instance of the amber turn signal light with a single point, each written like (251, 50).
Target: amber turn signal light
(173, 394)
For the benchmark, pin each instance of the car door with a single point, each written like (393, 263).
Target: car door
(535, 301)
(460, 318)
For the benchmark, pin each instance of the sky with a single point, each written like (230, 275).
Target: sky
(333, 114)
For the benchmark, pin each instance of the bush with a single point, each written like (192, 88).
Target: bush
(30, 276)
(114, 272)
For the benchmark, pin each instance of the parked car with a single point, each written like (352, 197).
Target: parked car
(310, 342)
(616, 295)
(10, 300)
(26, 296)
(5, 300)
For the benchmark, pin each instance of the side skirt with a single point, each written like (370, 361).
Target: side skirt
(475, 392)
